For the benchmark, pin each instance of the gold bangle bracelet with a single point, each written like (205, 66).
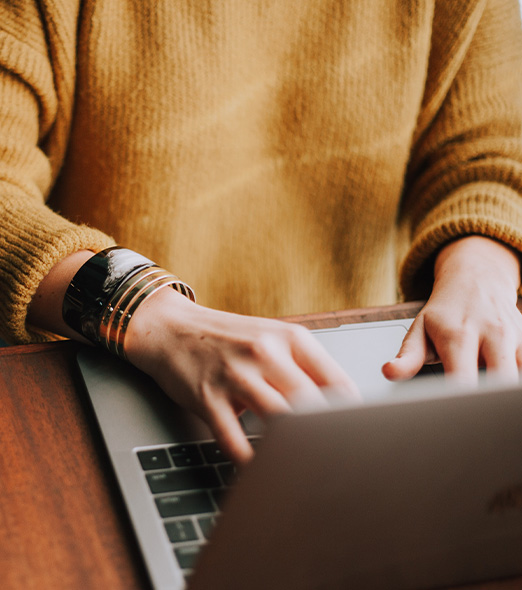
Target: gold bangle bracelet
(134, 298)
(114, 306)
(116, 312)
(130, 294)
(122, 328)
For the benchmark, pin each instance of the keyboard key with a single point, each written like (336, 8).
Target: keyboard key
(154, 459)
(206, 524)
(228, 473)
(181, 530)
(212, 453)
(184, 504)
(182, 480)
(187, 555)
(219, 497)
(186, 455)
(254, 440)
(251, 423)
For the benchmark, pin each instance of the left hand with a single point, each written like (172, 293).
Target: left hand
(471, 318)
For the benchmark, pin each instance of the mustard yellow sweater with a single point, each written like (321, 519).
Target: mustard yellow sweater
(281, 156)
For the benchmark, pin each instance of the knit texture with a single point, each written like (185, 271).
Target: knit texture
(280, 157)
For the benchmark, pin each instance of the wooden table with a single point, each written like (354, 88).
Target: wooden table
(62, 521)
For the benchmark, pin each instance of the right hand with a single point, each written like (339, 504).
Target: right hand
(217, 364)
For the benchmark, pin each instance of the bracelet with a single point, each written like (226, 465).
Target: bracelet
(139, 287)
(144, 293)
(117, 303)
(105, 293)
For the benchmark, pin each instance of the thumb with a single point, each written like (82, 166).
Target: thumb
(411, 356)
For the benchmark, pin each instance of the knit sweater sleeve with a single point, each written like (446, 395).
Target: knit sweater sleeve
(465, 174)
(35, 83)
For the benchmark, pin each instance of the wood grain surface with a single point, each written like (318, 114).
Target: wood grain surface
(62, 524)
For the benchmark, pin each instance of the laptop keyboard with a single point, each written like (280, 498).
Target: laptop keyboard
(188, 483)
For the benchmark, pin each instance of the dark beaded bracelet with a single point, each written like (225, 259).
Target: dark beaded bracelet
(93, 286)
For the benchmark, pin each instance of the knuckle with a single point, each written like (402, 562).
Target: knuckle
(461, 332)
(262, 348)
(232, 378)
(298, 329)
(297, 334)
(204, 400)
(458, 333)
(268, 346)
(206, 394)
(498, 330)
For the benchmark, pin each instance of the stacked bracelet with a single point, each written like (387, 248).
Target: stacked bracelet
(105, 293)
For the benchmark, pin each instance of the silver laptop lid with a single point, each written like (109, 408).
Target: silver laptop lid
(413, 494)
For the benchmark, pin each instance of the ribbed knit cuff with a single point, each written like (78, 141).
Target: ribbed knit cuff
(481, 208)
(28, 251)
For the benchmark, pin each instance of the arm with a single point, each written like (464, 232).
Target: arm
(214, 363)
(35, 109)
(465, 178)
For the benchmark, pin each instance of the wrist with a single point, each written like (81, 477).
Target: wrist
(165, 312)
(478, 255)
(45, 310)
(108, 289)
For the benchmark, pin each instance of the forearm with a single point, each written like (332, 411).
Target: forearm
(465, 173)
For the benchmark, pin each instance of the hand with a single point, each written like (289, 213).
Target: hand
(218, 364)
(471, 318)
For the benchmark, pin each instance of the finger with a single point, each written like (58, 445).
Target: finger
(459, 354)
(412, 355)
(500, 356)
(254, 393)
(518, 356)
(295, 385)
(227, 429)
(321, 368)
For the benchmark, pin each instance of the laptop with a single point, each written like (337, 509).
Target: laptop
(419, 487)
